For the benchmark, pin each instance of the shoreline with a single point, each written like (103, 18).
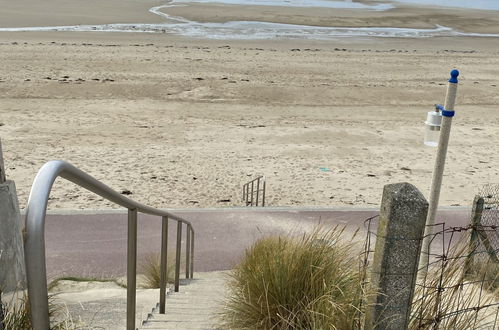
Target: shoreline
(435, 45)
(246, 22)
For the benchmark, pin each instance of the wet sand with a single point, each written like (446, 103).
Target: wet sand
(404, 16)
(22, 13)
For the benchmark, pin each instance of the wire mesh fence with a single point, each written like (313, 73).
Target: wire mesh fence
(455, 293)
(451, 296)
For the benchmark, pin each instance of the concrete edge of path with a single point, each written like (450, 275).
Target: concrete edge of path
(234, 209)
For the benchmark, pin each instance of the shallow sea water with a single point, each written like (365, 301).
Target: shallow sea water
(268, 30)
(471, 4)
(367, 5)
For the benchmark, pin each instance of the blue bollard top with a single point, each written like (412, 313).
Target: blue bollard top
(453, 76)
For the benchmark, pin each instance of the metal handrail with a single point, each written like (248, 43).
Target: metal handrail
(250, 194)
(36, 272)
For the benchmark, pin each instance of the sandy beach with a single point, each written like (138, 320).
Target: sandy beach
(185, 122)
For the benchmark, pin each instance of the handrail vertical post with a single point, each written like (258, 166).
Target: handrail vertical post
(247, 194)
(131, 269)
(257, 190)
(252, 191)
(192, 254)
(263, 193)
(177, 256)
(36, 271)
(187, 251)
(3, 178)
(164, 264)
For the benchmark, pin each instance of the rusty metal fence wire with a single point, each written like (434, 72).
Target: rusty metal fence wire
(461, 288)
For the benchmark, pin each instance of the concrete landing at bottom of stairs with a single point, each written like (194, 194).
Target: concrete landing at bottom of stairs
(195, 306)
(102, 305)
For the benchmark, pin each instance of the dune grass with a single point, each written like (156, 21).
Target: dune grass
(54, 283)
(17, 314)
(16, 311)
(451, 298)
(306, 282)
(314, 281)
(151, 269)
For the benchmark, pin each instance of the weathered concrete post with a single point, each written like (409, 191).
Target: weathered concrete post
(2, 180)
(476, 218)
(396, 257)
(12, 269)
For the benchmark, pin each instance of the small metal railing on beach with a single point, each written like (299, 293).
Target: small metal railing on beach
(254, 192)
(35, 240)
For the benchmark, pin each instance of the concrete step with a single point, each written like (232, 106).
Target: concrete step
(173, 316)
(180, 325)
(180, 311)
(196, 306)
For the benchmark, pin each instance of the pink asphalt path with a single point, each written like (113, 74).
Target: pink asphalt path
(94, 244)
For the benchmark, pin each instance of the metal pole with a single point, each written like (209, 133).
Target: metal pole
(164, 264)
(131, 278)
(177, 256)
(187, 251)
(36, 272)
(438, 170)
(252, 191)
(257, 189)
(263, 193)
(247, 194)
(2, 166)
(2, 180)
(192, 254)
(2, 314)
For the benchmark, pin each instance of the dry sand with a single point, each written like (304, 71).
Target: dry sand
(185, 123)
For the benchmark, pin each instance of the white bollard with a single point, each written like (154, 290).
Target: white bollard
(443, 142)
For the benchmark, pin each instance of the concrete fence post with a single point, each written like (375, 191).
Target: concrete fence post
(476, 217)
(12, 267)
(396, 257)
(2, 180)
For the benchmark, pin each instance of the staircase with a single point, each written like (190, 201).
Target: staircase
(195, 307)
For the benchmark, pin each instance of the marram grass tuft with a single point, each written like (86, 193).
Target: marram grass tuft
(151, 268)
(308, 282)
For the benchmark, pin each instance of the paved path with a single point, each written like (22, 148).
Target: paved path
(195, 307)
(94, 245)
